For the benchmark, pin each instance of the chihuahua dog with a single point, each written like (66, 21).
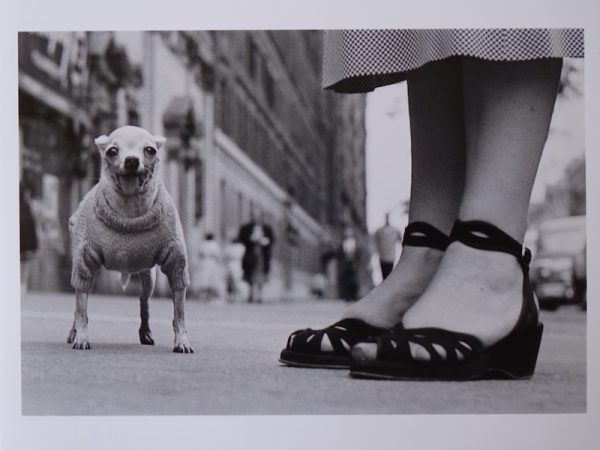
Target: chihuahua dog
(128, 223)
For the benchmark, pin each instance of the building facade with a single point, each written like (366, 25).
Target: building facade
(54, 126)
(250, 133)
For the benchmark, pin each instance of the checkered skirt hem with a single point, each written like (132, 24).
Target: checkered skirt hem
(361, 60)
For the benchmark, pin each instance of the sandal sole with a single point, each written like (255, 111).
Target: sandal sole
(307, 361)
(489, 374)
(382, 371)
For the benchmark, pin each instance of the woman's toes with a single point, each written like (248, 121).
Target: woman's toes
(326, 345)
(420, 353)
(364, 351)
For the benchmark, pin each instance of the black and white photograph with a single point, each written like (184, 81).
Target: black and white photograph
(303, 223)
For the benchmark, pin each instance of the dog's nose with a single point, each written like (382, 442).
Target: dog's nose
(131, 163)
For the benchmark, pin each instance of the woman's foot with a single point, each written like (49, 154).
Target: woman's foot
(474, 291)
(385, 305)
(381, 309)
(378, 311)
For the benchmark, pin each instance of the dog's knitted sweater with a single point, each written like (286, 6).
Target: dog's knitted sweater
(101, 237)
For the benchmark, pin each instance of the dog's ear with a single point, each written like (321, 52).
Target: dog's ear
(101, 142)
(160, 141)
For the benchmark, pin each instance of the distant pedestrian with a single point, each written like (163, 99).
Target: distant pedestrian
(318, 285)
(348, 266)
(267, 247)
(233, 253)
(211, 277)
(257, 240)
(386, 238)
(29, 243)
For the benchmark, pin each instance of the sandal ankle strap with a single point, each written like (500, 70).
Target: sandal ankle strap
(422, 234)
(485, 236)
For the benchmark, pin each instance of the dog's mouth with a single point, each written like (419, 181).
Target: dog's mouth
(132, 182)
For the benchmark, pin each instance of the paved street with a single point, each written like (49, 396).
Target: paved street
(235, 368)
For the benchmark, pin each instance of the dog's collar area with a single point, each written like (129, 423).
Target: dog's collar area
(113, 220)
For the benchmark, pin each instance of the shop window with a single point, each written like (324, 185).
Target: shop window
(133, 118)
(269, 87)
(198, 201)
(251, 210)
(235, 114)
(224, 209)
(240, 208)
(252, 58)
(243, 117)
(225, 107)
(222, 104)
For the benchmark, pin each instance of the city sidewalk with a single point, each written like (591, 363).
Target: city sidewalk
(234, 369)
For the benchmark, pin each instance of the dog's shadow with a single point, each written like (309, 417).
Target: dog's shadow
(98, 348)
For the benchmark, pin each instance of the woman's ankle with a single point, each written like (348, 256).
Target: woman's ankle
(385, 305)
(475, 291)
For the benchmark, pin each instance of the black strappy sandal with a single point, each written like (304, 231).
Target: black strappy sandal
(465, 358)
(303, 347)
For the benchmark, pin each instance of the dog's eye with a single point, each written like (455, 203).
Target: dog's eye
(149, 151)
(112, 152)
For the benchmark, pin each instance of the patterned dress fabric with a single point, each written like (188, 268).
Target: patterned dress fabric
(361, 60)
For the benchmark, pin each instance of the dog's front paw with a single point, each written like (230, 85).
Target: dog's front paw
(81, 343)
(146, 337)
(182, 345)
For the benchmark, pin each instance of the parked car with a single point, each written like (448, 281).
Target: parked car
(558, 270)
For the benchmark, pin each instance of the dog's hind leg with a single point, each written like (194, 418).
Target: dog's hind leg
(148, 279)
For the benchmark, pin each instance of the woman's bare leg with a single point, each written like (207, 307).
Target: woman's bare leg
(508, 107)
(438, 148)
